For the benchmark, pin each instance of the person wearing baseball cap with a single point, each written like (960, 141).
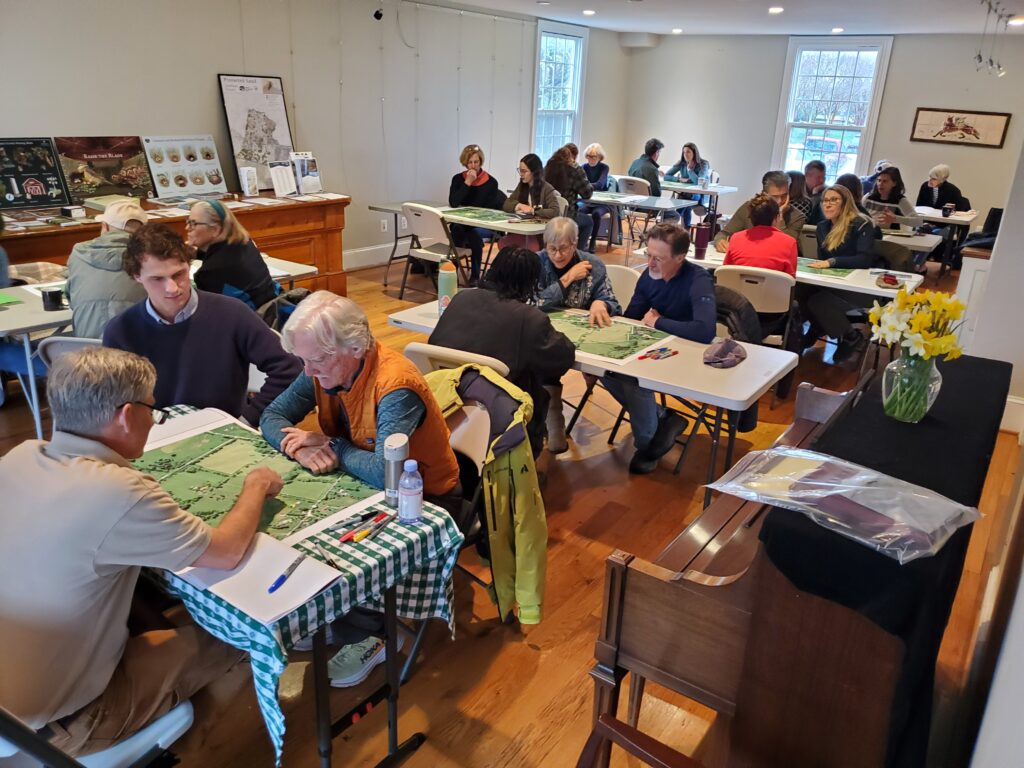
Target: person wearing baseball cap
(868, 182)
(98, 288)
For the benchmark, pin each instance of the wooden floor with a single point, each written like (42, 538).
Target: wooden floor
(505, 695)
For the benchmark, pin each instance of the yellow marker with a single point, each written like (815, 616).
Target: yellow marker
(362, 534)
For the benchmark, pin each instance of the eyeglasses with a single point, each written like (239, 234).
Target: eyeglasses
(831, 201)
(160, 415)
(191, 223)
(564, 248)
(593, 157)
(523, 170)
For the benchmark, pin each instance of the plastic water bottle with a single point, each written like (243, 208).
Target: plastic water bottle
(410, 493)
(396, 451)
(447, 286)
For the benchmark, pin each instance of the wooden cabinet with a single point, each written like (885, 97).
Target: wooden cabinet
(304, 232)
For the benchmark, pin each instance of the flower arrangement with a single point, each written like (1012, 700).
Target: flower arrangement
(924, 325)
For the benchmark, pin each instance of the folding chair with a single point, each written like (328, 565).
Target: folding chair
(432, 357)
(52, 347)
(631, 185)
(428, 226)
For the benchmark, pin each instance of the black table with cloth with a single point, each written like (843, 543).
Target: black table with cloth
(948, 452)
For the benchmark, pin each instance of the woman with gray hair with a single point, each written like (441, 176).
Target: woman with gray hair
(362, 393)
(939, 191)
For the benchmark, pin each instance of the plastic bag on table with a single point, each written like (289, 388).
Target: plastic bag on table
(898, 519)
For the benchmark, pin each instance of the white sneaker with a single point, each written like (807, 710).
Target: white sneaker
(354, 663)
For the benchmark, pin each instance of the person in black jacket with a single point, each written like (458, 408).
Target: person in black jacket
(231, 262)
(476, 188)
(497, 321)
(938, 191)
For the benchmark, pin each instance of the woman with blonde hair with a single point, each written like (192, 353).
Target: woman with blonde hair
(476, 188)
(846, 240)
(596, 170)
(231, 262)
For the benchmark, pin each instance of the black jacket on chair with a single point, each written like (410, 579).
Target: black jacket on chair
(948, 193)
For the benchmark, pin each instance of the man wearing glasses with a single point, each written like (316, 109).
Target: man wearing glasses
(202, 344)
(676, 297)
(775, 184)
(78, 524)
(571, 278)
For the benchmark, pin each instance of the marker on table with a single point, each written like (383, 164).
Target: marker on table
(284, 576)
(327, 556)
(376, 529)
(351, 535)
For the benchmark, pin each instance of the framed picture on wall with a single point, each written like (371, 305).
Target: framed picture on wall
(257, 122)
(951, 126)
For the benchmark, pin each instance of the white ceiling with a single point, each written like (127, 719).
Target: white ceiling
(750, 17)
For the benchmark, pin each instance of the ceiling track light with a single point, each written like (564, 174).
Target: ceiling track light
(991, 63)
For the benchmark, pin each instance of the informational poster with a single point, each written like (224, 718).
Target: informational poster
(257, 122)
(30, 174)
(104, 165)
(184, 165)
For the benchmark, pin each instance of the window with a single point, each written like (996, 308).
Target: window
(830, 109)
(561, 59)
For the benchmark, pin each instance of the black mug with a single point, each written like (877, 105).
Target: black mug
(53, 299)
(947, 210)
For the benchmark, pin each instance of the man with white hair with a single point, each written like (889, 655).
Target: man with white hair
(575, 279)
(98, 289)
(78, 523)
(939, 191)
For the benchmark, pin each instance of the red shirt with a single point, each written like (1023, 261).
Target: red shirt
(765, 247)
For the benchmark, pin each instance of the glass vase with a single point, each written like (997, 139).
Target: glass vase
(910, 385)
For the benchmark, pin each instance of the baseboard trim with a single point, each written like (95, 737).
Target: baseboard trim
(1013, 415)
(376, 255)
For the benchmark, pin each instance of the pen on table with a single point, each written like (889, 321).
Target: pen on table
(327, 556)
(350, 535)
(284, 576)
(355, 520)
(375, 530)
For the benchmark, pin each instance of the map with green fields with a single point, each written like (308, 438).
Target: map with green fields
(619, 341)
(801, 266)
(204, 474)
(479, 214)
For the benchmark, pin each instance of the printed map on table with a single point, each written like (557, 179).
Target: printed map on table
(479, 214)
(204, 474)
(618, 343)
(801, 266)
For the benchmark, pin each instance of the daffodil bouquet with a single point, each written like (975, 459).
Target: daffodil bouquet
(924, 326)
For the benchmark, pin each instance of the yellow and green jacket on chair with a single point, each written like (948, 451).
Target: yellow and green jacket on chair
(516, 521)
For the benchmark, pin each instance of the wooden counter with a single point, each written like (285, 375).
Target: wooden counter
(304, 232)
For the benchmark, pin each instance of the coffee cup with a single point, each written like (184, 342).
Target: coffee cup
(53, 299)
(947, 210)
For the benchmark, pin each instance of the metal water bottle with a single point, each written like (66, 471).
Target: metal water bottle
(447, 286)
(396, 451)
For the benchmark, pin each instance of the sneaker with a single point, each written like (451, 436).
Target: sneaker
(851, 346)
(354, 663)
(642, 463)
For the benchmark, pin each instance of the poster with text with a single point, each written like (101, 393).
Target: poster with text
(104, 165)
(257, 122)
(30, 174)
(184, 165)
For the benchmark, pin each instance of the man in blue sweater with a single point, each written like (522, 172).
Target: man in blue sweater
(676, 297)
(200, 343)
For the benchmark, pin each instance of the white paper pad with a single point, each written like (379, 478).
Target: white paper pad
(263, 200)
(331, 196)
(236, 204)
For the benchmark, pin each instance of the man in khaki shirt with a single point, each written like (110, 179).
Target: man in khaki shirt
(77, 524)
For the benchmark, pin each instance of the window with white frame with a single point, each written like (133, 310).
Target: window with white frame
(830, 107)
(561, 60)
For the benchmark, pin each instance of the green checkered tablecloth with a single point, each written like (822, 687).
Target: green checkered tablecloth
(418, 559)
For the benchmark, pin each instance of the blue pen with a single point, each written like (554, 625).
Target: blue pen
(284, 576)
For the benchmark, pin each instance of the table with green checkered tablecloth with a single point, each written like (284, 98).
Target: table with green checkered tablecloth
(416, 559)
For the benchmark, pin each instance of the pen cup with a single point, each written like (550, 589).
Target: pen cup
(53, 299)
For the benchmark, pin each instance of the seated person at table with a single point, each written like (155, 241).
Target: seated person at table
(798, 199)
(571, 278)
(570, 181)
(763, 245)
(646, 166)
(231, 262)
(596, 170)
(939, 190)
(533, 195)
(868, 182)
(888, 201)
(845, 240)
(78, 524)
(852, 182)
(98, 289)
(775, 184)
(474, 188)
(498, 321)
(676, 297)
(362, 393)
(202, 344)
(689, 170)
(814, 180)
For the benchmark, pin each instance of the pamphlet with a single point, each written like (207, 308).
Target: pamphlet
(282, 177)
(307, 177)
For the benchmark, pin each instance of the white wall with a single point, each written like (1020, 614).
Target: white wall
(604, 117)
(723, 94)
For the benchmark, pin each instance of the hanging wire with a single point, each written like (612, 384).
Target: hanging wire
(979, 60)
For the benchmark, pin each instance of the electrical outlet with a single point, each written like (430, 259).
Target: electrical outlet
(404, 222)
(383, 225)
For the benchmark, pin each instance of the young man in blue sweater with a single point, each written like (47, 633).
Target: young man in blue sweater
(200, 343)
(676, 297)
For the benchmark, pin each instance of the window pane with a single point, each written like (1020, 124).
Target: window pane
(827, 63)
(808, 62)
(866, 63)
(847, 63)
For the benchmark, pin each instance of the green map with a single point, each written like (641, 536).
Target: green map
(801, 266)
(619, 341)
(479, 214)
(204, 474)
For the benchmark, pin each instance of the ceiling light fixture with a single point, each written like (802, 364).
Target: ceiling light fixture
(1016, 21)
(543, 2)
(775, 10)
(677, 31)
(589, 12)
(836, 30)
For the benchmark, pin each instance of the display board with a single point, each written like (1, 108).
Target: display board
(257, 122)
(104, 165)
(184, 165)
(30, 174)
(619, 342)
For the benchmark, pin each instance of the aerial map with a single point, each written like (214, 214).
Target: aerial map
(619, 341)
(204, 474)
(480, 214)
(802, 265)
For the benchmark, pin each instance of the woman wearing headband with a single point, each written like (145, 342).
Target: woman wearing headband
(231, 262)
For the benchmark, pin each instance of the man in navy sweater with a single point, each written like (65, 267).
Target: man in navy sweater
(676, 297)
(200, 343)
